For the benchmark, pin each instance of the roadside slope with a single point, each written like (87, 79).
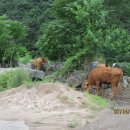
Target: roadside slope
(50, 106)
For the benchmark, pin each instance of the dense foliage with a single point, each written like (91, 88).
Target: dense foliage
(73, 27)
(113, 44)
(11, 35)
(32, 13)
(80, 30)
(67, 30)
(120, 10)
(125, 66)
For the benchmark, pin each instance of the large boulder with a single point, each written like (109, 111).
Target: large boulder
(128, 80)
(35, 74)
(29, 65)
(3, 70)
(125, 77)
(56, 66)
(21, 65)
(76, 79)
(124, 82)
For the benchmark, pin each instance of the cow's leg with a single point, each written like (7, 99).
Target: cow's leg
(117, 90)
(101, 90)
(98, 88)
(114, 90)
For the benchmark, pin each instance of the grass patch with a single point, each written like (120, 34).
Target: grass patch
(13, 78)
(26, 59)
(50, 78)
(95, 101)
(29, 84)
(73, 125)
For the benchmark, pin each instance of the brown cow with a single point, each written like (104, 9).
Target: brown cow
(107, 75)
(39, 63)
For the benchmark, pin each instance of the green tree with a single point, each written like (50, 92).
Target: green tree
(32, 13)
(73, 27)
(120, 10)
(114, 44)
(81, 29)
(11, 35)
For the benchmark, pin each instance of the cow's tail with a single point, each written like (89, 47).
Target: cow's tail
(121, 78)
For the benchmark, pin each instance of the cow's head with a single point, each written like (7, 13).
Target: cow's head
(87, 86)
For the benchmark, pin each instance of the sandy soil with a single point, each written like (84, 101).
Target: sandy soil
(45, 107)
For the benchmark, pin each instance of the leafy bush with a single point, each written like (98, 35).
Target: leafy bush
(113, 43)
(11, 35)
(13, 78)
(13, 53)
(26, 59)
(125, 67)
(75, 62)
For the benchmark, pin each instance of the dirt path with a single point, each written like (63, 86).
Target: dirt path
(58, 107)
(108, 120)
(51, 106)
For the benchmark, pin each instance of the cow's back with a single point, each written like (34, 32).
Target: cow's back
(38, 63)
(105, 75)
(95, 74)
